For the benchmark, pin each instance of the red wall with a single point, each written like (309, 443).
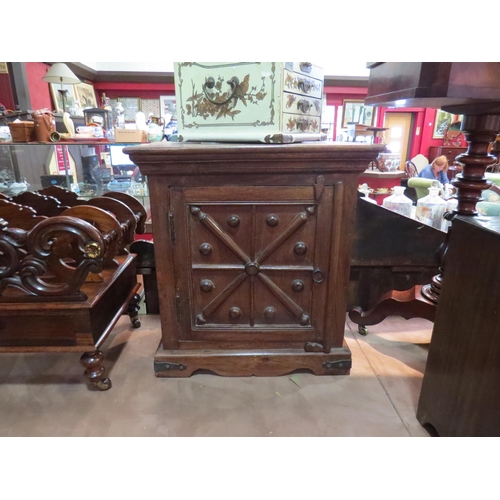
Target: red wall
(6, 92)
(335, 95)
(38, 89)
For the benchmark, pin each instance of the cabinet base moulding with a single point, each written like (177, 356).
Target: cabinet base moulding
(247, 363)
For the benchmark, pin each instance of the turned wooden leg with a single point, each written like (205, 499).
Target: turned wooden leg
(133, 310)
(421, 301)
(92, 361)
(480, 132)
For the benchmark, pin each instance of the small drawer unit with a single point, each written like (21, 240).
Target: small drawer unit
(270, 102)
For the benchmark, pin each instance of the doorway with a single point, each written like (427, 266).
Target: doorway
(398, 137)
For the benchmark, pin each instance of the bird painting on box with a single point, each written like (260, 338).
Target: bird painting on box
(241, 88)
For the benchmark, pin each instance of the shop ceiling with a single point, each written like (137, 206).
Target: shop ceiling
(353, 74)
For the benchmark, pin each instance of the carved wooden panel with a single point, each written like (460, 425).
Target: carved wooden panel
(257, 260)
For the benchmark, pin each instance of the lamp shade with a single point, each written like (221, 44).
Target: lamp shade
(60, 73)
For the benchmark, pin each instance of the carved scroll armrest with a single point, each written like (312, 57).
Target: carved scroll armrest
(106, 223)
(44, 265)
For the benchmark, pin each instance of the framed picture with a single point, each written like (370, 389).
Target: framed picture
(357, 112)
(442, 122)
(168, 107)
(86, 95)
(150, 107)
(132, 106)
(70, 96)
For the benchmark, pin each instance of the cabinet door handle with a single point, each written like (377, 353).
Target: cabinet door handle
(210, 84)
(178, 306)
(305, 67)
(318, 275)
(171, 225)
(305, 85)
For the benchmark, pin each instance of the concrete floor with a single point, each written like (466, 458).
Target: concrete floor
(47, 394)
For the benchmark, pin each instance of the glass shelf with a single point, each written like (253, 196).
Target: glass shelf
(83, 167)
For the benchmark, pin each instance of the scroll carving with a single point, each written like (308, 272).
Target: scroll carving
(40, 262)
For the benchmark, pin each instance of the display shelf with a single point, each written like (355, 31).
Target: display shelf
(84, 167)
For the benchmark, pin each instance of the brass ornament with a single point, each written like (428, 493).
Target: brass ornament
(92, 250)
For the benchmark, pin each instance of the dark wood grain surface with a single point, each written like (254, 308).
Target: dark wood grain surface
(459, 395)
(252, 250)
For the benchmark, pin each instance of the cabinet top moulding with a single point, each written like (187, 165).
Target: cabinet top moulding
(196, 158)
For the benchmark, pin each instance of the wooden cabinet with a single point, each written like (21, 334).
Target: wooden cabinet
(459, 395)
(252, 247)
(450, 152)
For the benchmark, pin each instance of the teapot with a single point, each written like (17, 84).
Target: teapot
(156, 129)
(154, 132)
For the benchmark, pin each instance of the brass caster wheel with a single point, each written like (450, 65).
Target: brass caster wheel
(136, 322)
(362, 330)
(103, 384)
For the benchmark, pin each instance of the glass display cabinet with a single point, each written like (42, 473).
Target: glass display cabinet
(89, 169)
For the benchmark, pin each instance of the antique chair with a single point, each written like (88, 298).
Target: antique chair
(422, 186)
(411, 169)
(420, 161)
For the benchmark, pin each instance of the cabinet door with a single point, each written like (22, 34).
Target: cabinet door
(251, 262)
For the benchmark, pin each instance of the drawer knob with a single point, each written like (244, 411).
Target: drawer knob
(303, 124)
(305, 67)
(272, 220)
(206, 286)
(305, 85)
(270, 312)
(233, 221)
(300, 248)
(234, 312)
(304, 106)
(205, 249)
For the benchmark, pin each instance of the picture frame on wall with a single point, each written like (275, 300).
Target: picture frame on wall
(86, 95)
(132, 106)
(355, 111)
(150, 107)
(57, 97)
(442, 123)
(168, 108)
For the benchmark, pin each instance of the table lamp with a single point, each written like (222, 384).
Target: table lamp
(60, 73)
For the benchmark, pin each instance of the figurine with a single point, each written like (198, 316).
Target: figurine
(120, 115)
